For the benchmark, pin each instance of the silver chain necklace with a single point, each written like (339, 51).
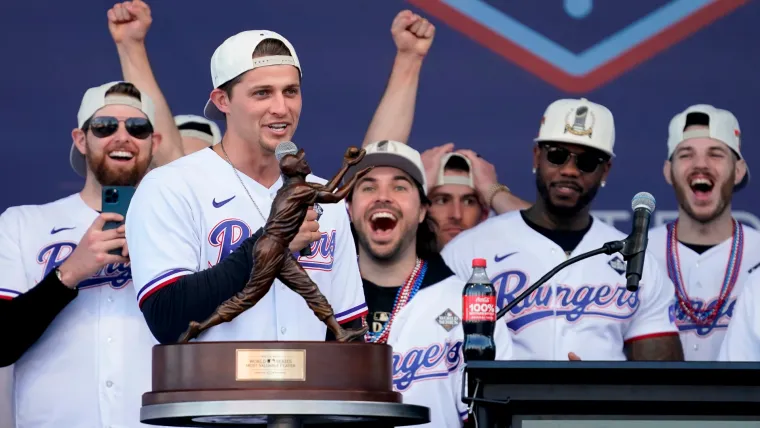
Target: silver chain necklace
(221, 144)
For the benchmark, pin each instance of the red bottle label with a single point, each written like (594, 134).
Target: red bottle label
(479, 308)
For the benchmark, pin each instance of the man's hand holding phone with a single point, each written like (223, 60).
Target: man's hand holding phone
(92, 253)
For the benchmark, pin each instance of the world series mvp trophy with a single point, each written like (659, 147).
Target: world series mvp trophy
(279, 384)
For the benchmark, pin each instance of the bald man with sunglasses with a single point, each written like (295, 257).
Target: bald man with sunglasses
(585, 311)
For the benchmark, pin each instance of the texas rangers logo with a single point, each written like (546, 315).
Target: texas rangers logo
(226, 236)
(424, 363)
(720, 323)
(580, 63)
(613, 302)
(116, 276)
(322, 253)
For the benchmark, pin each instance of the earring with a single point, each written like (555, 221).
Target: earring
(604, 183)
(534, 170)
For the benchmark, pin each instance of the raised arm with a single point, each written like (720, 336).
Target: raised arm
(128, 23)
(393, 118)
(352, 157)
(331, 198)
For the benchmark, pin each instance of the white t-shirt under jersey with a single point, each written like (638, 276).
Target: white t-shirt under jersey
(584, 309)
(189, 214)
(93, 363)
(703, 275)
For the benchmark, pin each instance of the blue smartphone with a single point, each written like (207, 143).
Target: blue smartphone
(116, 199)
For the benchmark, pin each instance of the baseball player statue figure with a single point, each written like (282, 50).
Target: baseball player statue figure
(271, 257)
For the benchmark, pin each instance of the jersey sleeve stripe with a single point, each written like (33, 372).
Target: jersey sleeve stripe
(351, 314)
(6, 294)
(463, 415)
(160, 281)
(652, 336)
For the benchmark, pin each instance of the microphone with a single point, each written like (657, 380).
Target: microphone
(289, 148)
(643, 204)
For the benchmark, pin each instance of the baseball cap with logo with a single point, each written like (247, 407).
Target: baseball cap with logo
(450, 160)
(393, 154)
(194, 126)
(235, 56)
(722, 126)
(578, 122)
(94, 99)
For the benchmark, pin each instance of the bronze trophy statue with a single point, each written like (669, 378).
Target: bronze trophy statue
(272, 257)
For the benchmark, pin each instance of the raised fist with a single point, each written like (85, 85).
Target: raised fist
(353, 156)
(129, 21)
(412, 33)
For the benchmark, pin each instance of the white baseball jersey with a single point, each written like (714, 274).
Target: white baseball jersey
(742, 338)
(584, 309)
(703, 276)
(189, 214)
(428, 364)
(93, 363)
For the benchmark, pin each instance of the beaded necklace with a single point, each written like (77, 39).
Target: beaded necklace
(704, 316)
(403, 296)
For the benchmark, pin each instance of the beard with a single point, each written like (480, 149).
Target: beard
(564, 211)
(107, 176)
(726, 190)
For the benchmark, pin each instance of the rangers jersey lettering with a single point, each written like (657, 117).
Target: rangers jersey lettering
(585, 308)
(93, 363)
(188, 215)
(703, 276)
(428, 362)
(742, 338)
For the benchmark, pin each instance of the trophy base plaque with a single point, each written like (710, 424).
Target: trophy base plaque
(276, 384)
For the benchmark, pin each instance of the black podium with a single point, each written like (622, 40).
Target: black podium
(625, 394)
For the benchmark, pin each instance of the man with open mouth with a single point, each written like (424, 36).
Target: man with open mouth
(414, 299)
(707, 253)
(585, 311)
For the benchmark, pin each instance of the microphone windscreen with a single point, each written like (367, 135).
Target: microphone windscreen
(285, 148)
(643, 200)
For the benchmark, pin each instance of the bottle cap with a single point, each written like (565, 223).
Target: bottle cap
(478, 263)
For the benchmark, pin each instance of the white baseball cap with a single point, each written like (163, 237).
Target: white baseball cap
(442, 178)
(94, 99)
(235, 56)
(393, 154)
(578, 122)
(722, 126)
(184, 119)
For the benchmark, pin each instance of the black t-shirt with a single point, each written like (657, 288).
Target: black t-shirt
(379, 305)
(380, 299)
(566, 239)
(699, 249)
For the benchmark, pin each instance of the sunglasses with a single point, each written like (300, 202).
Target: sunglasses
(105, 126)
(585, 162)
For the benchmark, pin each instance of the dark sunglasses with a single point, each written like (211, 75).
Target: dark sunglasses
(105, 126)
(585, 162)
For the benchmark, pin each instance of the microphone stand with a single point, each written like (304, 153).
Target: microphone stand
(608, 248)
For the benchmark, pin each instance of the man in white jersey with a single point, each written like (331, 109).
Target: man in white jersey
(398, 257)
(91, 365)
(742, 338)
(187, 216)
(585, 310)
(706, 253)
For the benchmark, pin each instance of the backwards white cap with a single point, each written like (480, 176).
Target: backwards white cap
(235, 56)
(214, 138)
(578, 122)
(722, 126)
(93, 100)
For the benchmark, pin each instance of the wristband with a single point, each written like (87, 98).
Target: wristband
(493, 190)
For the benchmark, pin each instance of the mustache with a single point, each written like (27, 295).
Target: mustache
(384, 206)
(566, 183)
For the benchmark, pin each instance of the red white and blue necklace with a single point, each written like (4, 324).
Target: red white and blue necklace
(704, 316)
(403, 296)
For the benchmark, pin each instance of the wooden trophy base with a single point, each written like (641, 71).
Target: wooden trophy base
(254, 383)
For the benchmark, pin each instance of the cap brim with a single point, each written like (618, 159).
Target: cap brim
(78, 162)
(571, 141)
(392, 160)
(211, 112)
